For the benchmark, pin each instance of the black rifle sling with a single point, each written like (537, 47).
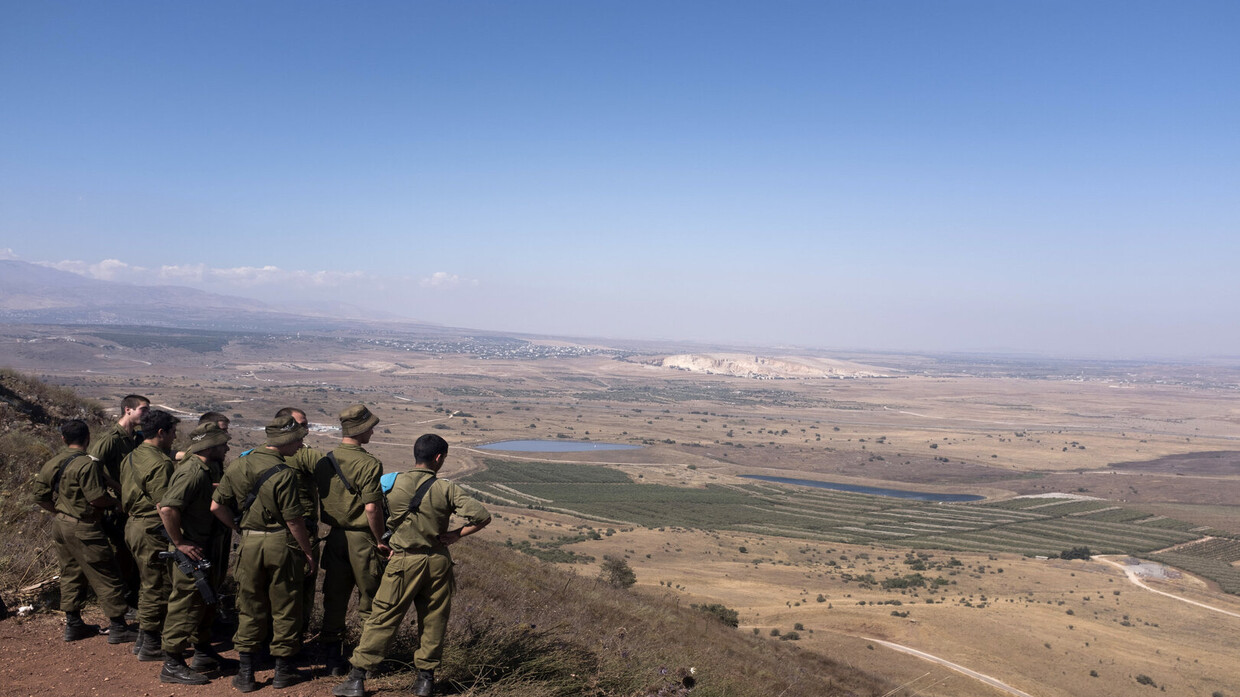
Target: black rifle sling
(331, 457)
(61, 473)
(253, 495)
(414, 503)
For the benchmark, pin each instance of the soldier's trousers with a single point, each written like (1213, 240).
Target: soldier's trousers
(86, 561)
(307, 585)
(114, 527)
(270, 572)
(424, 581)
(189, 617)
(145, 543)
(350, 558)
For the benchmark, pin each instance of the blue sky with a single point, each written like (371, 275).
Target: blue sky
(1056, 177)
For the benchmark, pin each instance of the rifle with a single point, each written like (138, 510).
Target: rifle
(193, 569)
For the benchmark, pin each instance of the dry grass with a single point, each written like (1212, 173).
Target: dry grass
(524, 628)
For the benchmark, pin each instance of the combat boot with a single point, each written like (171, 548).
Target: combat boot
(76, 629)
(205, 658)
(286, 674)
(353, 686)
(120, 633)
(137, 642)
(244, 679)
(175, 671)
(425, 684)
(336, 665)
(152, 649)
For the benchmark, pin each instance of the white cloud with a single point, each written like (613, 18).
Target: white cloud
(201, 274)
(443, 279)
(7, 254)
(106, 270)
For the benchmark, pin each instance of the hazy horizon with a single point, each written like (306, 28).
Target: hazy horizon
(1054, 179)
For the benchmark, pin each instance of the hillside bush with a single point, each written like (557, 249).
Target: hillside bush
(720, 612)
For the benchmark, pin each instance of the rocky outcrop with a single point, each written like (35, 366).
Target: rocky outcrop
(769, 368)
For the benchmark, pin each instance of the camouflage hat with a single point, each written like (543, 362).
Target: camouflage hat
(205, 437)
(284, 430)
(356, 420)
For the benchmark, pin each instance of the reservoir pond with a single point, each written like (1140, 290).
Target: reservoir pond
(554, 446)
(871, 490)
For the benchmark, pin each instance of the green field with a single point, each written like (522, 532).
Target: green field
(1031, 526)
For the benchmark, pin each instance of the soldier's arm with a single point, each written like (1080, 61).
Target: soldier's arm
(41, 492)
(172, 523)
(94, 479)
(371, 491)
(469, 508)
(297, 526)
(225, 516)
(374, 518)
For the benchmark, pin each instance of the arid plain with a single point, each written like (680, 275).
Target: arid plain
(1153, 442)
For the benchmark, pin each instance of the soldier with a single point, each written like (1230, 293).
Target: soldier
(186, 513)
(353, 553)
(118, 441)
(210, 417)
(110, 448)
(71, 486)
(144, 477)
(261, 491)
(302, 462)
(419, 570)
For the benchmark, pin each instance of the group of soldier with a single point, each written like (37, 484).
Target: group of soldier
(146, 526)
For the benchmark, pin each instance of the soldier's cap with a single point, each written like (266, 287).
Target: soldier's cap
(356, 420)
(205, 437)
(284, 430)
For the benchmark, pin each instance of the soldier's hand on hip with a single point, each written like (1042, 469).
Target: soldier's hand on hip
(450, 537)
(384, 550)
(190, 550)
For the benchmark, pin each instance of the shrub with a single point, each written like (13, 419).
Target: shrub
(1144, 679)
(720, 612)
(1076, 553)
(616, 572)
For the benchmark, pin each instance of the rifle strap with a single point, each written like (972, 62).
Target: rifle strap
(258, 485)
(331, 457)
(415, 502)
(61, 472)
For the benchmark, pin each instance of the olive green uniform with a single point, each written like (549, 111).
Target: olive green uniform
(144, 478)
(270, 565)
(303, 462)
(82, 548)
(350, 555)
(111, 447)
(189, 491)
(420, 571)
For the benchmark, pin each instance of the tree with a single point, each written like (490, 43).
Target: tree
(1076, 553)
(615, 572)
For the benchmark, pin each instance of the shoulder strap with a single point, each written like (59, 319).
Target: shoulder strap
(331, 457)
(61, 472)
(414, 503)
(258, 485)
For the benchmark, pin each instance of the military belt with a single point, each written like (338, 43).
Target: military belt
(415, 550)
(247, 531)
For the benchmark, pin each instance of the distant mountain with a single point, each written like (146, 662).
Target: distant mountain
(35, 294)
